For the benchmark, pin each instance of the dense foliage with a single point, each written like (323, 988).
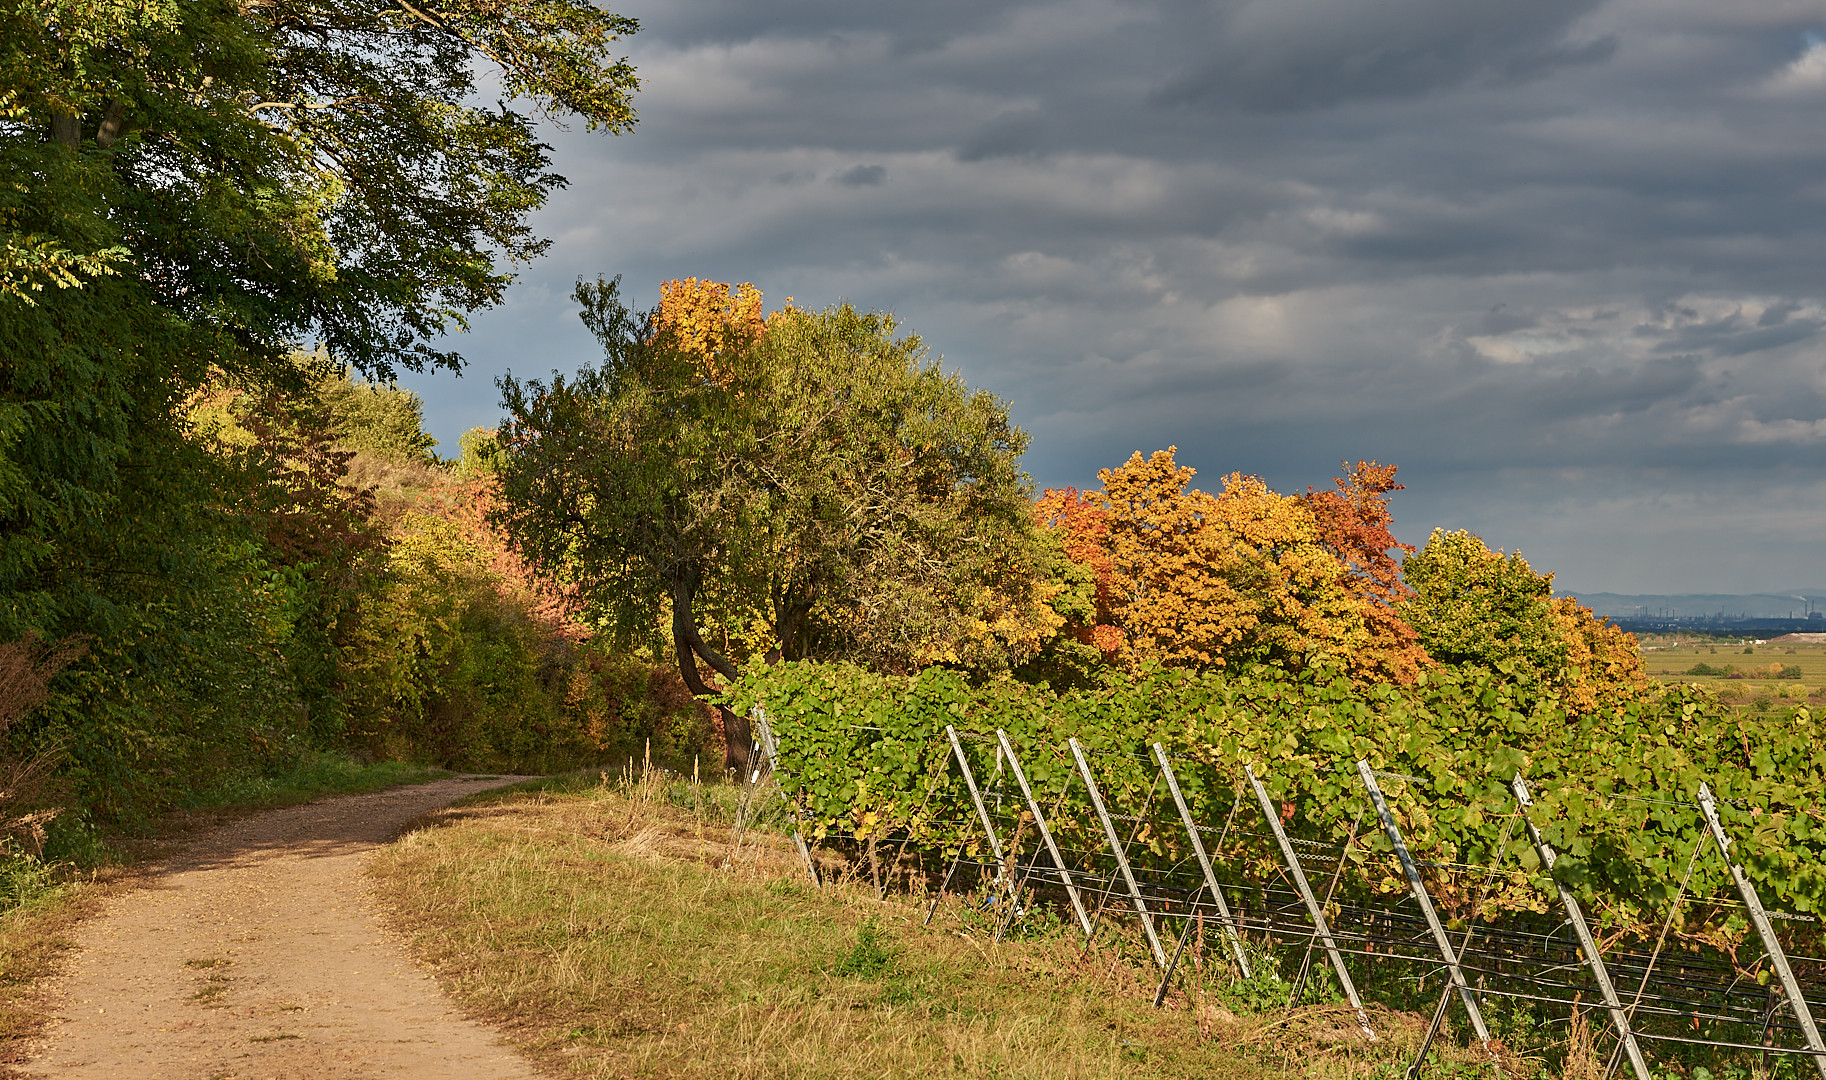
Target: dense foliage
(806, 484)
(1174, 576)
(385, 618)
(1473, 606)
(187, 193)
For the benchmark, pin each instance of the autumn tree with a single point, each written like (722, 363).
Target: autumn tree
(1082, 524)
(1353, 521)
(1475, 606)
(1186, 578)
(1207, 580)
(701, 316)
(813, 471)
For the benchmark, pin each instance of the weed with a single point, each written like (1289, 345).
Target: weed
(209, 995)
(24, 879)
(1263, 990)
(786, 888)
(871, 958)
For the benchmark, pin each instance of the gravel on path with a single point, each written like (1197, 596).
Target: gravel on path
(256, 952)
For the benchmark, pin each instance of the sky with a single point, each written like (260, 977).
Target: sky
(1561, 261)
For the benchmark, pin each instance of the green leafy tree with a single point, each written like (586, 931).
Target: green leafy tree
(188, 191)
(198, 186)
(896, 524)
(815, 473)
(377, 417)
(1478, 607)
(477, 451)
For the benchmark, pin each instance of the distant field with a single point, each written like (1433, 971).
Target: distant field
(1670, 661)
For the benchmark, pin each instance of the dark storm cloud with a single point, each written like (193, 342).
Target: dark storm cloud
(1735, 334)
(1563, 261)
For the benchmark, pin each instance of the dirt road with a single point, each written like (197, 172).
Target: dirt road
(256, 953)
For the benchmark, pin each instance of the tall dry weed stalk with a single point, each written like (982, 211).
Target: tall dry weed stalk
(26, 668)
(642, 787)
(1581, 1055)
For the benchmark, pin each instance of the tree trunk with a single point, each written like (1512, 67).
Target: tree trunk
(738, 738)
(66, 128)
(113, 124)
(791, 606)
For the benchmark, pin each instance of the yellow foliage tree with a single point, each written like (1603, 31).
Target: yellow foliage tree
(703, 315)
(1203, 580)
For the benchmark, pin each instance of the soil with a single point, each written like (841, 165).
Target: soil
(256, 952)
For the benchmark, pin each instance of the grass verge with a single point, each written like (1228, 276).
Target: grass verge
(595, 924)
(313, 777)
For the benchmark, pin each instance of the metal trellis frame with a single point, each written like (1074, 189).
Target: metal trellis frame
(1760, 918)
(1313, 907)
(1618, 1017)
(1419, 889)
(1116, 849)
(1039, 820)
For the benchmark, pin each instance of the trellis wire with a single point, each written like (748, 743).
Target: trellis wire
(1523, 964)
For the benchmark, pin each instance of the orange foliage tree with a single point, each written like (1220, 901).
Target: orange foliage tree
(1207, 580)
(1353, 521)
(1187, 578)
(1082, 524)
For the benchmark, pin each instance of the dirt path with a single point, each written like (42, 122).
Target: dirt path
(256, 953)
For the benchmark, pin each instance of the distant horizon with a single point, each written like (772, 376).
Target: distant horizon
(1797, 604)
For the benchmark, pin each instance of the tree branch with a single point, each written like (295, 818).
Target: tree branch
(684, 626)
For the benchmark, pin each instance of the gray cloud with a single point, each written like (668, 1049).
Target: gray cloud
(1281, 55)
(1561, 261)
(862, 176)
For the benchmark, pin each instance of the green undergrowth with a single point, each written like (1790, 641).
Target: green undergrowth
(78, 842)
(715, 803)
(314, 776)
(76, 849)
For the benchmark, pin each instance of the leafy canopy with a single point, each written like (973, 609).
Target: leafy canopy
(812, 472)
(1478, 607)
(194, 188)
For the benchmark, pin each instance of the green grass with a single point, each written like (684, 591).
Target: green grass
(597, 925)
(314, 776)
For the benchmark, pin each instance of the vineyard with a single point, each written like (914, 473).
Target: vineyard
(1463, 848)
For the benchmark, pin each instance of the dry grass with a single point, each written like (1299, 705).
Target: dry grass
(599, 928)
(33, 941)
